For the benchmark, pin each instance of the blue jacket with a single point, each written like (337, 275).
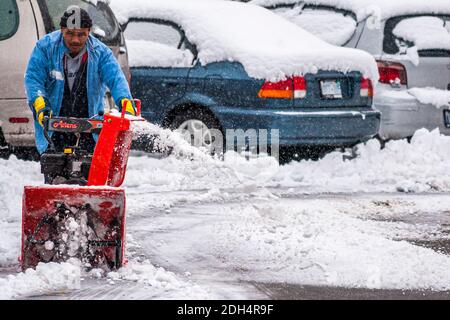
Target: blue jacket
(45, 77)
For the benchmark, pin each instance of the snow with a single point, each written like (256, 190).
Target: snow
(47, 278)
(332, 27)
(378, 9)
(436, 97)
(14, 175)
(255, 45)
(424, 32)
(147, 53)
(163, 284)
(241, 220)
(399, 166)
(312, 242)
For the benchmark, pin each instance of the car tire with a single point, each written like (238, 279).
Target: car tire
(5, 151)
(201, 122)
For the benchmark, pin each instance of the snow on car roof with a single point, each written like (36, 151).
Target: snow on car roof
(383, 9)
(268, 46)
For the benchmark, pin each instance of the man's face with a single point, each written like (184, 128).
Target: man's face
(75, 39)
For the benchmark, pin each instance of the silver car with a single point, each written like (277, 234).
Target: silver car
(22, 23)
(411, 64)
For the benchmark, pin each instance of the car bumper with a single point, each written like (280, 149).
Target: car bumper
(403, 115)
(312, 128)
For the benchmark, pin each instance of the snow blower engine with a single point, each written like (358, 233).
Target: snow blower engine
(82, 214)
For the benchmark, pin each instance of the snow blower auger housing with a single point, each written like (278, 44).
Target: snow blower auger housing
(83, 214)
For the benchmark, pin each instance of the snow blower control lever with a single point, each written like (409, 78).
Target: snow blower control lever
(84, 220)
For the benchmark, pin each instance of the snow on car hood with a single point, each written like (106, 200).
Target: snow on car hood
(268, 46)
(382, 9)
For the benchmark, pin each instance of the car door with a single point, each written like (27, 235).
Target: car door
(159, 64)
(18, 35)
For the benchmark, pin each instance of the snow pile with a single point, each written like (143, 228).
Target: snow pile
(147, 53)
(436, 97)
(46, 279)
(14, 175)
(419, 166)
(310, 242)
(332, 27)
(162, 284)
(268, 46)
(379, 9)
(424, 32)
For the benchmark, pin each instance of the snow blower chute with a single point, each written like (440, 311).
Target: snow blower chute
(82, 215)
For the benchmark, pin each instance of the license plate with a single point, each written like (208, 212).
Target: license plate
(331, 89)
(447, 118)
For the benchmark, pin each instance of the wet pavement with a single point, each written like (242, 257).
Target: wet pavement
(285, 291)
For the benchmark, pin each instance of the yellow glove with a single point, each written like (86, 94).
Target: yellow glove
(128, 105)
(39, 107)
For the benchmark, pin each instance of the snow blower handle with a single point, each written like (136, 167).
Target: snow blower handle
(74, 125)
(46, 135)
(71, 125)
(137, 105)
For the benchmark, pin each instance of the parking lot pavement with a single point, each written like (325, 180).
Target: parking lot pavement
(285, 291)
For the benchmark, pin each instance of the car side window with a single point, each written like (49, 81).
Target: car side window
(155, 32)
(9, 18)
(105, 26)
(157, 44)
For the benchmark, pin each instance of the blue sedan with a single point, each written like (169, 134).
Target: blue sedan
(180, 90)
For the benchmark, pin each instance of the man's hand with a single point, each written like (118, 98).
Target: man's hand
(41, 109)
(128, 105)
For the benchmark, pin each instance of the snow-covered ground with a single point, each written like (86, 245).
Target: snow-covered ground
(197, 226)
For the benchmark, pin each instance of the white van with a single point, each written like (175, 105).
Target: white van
(22, 23)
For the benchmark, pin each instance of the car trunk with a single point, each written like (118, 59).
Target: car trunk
(320, 88)
(430, 72)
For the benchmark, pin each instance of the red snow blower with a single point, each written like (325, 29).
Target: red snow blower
(82, 215)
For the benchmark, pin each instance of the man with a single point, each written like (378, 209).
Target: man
(67, 75)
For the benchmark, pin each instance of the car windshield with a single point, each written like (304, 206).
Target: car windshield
(104, 22)
(331, 26)
(424, 33)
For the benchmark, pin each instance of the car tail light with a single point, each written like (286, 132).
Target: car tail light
(366, 87)
(392, 73)
(19, 120)
(299, 87)
(287, 89)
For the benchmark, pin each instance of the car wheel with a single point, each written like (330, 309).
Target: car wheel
(200, 129)
(4, 152)
(26, 153)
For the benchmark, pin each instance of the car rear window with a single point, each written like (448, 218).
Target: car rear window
(9, 18)
(105, 25)
(334, 27)
(429, 35)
